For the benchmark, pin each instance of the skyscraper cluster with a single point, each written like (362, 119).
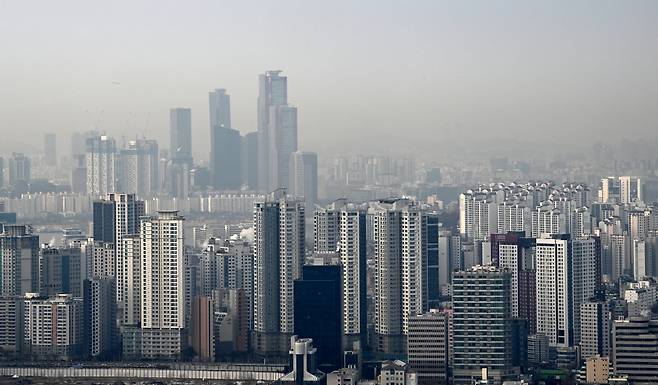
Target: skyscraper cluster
(532, 277)
(263, 161)
(507, 282)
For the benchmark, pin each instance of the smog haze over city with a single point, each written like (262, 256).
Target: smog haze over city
(329, 193)
(368, 76)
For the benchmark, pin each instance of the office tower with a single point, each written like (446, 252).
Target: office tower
(249, 160)
(200, 177)
(202, 328)
(528, 299)
(341, 228)
(139, 163)
(225, 146)
(114, 217)
(279, 255)
(481, 324)
(163, 300)
(318, 312)
(50, 149)
(538, 350)
(52, 327)
(433, 266)
(400, 232)
(635, 349)
(61, 271)
(512, 251)
(19, 249)
(225, 143)
(2, 173)
(595, 325)
(180, 135)
(100, 327)
(427, 347)
(19, 169)
(304, 176)
(519, 342)
(272, 92)
(282, 144)
(220, 108)
(303, 363)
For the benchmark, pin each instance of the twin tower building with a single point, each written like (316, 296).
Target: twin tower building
(267, 159)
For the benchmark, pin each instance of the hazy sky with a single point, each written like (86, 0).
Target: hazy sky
(366, 75)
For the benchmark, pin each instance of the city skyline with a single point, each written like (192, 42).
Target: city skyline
(345, 193)
(558, 68)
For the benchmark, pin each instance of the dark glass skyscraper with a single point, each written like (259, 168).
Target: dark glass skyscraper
(433, 287)
(225, 158)
(272, 93)
(180, 135)
(225, 143)
(482, 324)
(318, 312)
(249, 160)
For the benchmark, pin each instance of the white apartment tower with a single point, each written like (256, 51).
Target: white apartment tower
(115, 217)
(132, 274)
(101, 165)
(341, 228)
(279, 256)
(400, 236)
(554, 315)
(52, 328)
(163, 271)
(158, 289)
(567, 275)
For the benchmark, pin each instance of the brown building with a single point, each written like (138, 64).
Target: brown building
(527, 299)
(202, 329)
(597, 370)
